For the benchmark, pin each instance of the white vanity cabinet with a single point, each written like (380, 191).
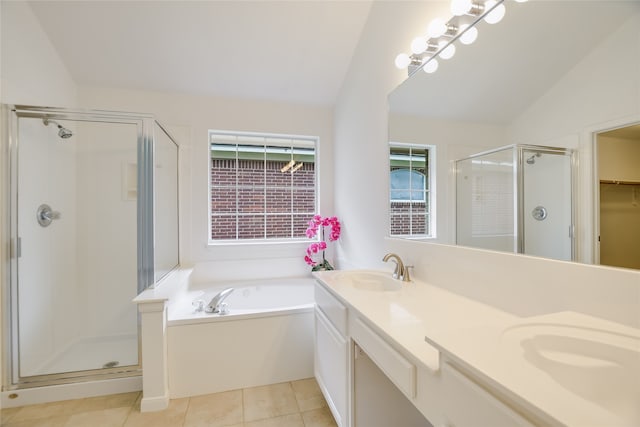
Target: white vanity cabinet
(332, 353)
(395, 366)
(467, 403)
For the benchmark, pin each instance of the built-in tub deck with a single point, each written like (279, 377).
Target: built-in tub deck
(250, 299)
(265, 338)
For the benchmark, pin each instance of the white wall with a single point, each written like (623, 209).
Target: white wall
(453, 140)
(514, 282)
(31, 70)
(189, 118)
(361, 127)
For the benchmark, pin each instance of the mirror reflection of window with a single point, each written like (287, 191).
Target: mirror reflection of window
(409, 190)
(407, 185)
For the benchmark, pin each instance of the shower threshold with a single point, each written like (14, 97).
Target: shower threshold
(91, 353)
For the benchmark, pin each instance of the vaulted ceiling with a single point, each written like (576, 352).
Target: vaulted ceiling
(290, 51)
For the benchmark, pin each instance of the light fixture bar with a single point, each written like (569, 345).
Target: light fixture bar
(478, 12)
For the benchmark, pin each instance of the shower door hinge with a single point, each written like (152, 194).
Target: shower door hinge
(16, 248)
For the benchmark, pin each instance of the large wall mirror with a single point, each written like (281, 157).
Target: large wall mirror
(546, 103)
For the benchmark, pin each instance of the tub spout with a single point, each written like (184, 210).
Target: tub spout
(216, 306)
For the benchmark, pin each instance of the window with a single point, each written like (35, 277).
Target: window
(410, 196)
(263, 187)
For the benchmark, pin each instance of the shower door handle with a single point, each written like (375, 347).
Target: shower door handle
(46, 215)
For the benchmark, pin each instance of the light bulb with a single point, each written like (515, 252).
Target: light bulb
(448, 52)
(403, 61)
(418, 45)
(431, 66)
(469, 35)
(460, 7)
(496, 14)
(437, 27)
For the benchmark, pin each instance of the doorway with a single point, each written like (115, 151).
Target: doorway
(618, 169)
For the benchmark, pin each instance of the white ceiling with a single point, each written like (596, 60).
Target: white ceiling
(292, 51)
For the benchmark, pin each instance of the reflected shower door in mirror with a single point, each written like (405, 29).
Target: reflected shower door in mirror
(516, 199)
(77, 260)
(550, 74)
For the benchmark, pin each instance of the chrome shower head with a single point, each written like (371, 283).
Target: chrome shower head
(531, 160)
(63, 132)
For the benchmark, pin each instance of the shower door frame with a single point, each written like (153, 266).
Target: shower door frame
(145, 234)
(558, 151)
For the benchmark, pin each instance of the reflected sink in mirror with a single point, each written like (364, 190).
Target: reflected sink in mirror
(598, 365)
(371, 280)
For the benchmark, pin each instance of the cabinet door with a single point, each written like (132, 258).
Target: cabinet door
(467, 404)
(332, 352)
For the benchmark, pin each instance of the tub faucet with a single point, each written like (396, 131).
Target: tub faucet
(216, 305)
(401, 272)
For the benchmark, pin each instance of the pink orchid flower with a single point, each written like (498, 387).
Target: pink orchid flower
(316, 224)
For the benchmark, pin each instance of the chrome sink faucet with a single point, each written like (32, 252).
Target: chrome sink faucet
(401, 272)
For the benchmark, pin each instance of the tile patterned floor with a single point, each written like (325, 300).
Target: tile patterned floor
(292, 404)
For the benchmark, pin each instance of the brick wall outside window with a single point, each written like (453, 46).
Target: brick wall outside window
(253, 199)
(406, 221)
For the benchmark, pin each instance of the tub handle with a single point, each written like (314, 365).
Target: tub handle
(223, 309)
(198, 305)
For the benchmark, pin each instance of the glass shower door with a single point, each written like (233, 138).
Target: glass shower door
(76, 264)
(547, 204)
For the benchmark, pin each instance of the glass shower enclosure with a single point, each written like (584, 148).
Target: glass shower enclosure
(517, 199)
(92, 204)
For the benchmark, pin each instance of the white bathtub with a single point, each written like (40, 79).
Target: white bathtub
(249, 299)
(266, 337)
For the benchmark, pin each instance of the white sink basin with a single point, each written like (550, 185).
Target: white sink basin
(371, 280)
(598, 365)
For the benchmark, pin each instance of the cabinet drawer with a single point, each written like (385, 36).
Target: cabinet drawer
(467, 404)
(335, 311)
(395, 366)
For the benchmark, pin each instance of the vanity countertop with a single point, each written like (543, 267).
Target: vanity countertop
(556, 366)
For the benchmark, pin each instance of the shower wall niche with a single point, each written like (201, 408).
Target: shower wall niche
(517, 199)
(93, 220)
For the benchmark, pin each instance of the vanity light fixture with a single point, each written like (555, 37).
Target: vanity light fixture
(419, 45)
(403, 60)
(288, 166)
(442, 34)
(468, 34)
(461, 7)
(437, 28)
(431, 66)
(447, 50)
(496, 11)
